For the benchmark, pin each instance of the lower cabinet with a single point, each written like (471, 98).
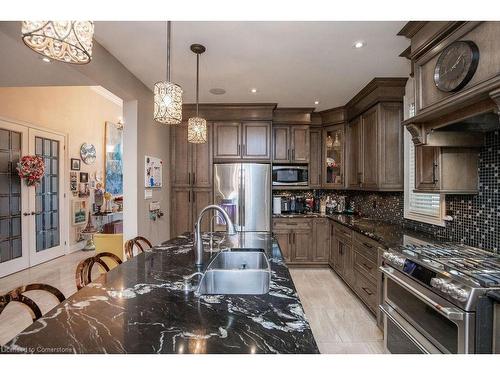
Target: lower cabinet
(186, 204)
(297, 238)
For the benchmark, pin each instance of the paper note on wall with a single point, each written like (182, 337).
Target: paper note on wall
(153, 172)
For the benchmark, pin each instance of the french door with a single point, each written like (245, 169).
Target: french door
(31, 218)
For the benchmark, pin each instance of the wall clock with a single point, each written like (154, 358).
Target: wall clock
(456, 65)
(88, 153)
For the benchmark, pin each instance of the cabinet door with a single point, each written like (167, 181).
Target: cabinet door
(315, 159)
(333, 156)
(181, 156)
(227, 138)
(201, 198)
(321, 246)
(281, 144)
(353, 158)
(256, 140)
(391, 158)
(202, 162)
(302, 241)
(283, 238)
(426, 168)
(300, 144)
(181, 208)
(347, 263)
(369, 169)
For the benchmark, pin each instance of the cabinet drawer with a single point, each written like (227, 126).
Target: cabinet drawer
(366, 246)
(365, 266)
(342, 231)
(366, 290)
(292, 224)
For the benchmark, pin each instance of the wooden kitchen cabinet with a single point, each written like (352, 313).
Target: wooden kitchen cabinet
(283, 238)
(315, 164)
(333, 157)
(191, 179)
(447, 170)
(374, 142)
(321, 240)
(290, 144)
(341, 252)
(295, 237)
(302, 245)
(249, 140)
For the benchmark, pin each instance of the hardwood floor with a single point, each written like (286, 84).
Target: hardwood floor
(341, 324)
(59, 273)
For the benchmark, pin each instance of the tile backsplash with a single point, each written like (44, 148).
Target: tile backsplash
(476, 218)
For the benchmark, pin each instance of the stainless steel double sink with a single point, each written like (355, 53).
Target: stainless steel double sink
(238, 271)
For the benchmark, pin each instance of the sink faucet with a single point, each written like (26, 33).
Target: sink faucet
(198, 253)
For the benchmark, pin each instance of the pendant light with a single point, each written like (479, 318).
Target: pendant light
(66, 41)
(197, 126)
(168, 95)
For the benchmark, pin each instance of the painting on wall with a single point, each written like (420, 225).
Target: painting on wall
(153, 168)
(114, 159)
(80, 211)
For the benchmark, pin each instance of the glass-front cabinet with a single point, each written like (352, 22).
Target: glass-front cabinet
(333, 156)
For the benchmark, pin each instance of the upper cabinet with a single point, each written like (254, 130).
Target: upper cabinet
(248, 140)
(333, 156)
(374, 137)
(290, 144)
(315, 164)
(291, 139)
(192, 163)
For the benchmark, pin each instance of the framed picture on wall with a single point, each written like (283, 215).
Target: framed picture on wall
(79, 212)
(84, 177)
(75, 164)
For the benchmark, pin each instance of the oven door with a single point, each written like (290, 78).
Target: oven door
(443, 325)
(289, 175)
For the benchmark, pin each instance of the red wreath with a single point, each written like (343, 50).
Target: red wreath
(31, 168)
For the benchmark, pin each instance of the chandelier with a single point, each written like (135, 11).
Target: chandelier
(66, 41)
(197, 126)
(167, 96)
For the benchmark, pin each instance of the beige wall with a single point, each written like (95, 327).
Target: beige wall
(19, 66)
(78, 112)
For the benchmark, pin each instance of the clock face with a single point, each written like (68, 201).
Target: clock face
(88, 153)
(456, 65)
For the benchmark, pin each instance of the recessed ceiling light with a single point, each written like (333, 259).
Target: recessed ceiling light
(316, 102)
(217, 91)
(359, 44)
(253, 91)
(46, 59)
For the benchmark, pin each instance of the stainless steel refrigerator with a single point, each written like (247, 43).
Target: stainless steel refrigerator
(244, 191)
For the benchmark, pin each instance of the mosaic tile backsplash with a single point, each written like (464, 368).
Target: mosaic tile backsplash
(476, 218)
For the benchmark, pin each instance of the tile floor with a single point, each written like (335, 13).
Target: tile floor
(341, 324)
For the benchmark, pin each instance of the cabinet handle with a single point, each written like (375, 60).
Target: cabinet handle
(189, 196)
(367, 266)
(189, 178)
(238, 150)
(288, 154)
(293, 154)
(434, 167)
(368, 245)
(367, 291)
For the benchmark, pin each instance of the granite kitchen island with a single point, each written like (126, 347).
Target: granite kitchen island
(140, 307)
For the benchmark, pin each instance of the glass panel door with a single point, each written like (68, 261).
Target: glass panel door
(47, 198)
(13, 200)
(333, 161)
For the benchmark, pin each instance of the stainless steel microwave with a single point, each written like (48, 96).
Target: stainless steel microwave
(290, 175)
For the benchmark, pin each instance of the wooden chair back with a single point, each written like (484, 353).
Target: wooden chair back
(83, 274)
(139, 243)
(16, 295)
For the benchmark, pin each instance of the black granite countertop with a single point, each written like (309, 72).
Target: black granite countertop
(140, 307)
(387, 234)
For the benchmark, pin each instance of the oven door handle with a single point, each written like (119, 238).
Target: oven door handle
(451, 313)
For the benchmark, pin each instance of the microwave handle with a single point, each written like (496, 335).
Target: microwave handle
(451, 313)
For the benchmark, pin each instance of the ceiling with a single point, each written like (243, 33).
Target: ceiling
(289, 63)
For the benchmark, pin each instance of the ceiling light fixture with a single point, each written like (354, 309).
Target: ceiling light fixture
(66, 41)
(359, 44)
(253, 91)
(316, 102)
(197, 126)
(168, 95)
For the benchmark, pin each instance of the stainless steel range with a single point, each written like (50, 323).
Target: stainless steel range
(440, 299)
